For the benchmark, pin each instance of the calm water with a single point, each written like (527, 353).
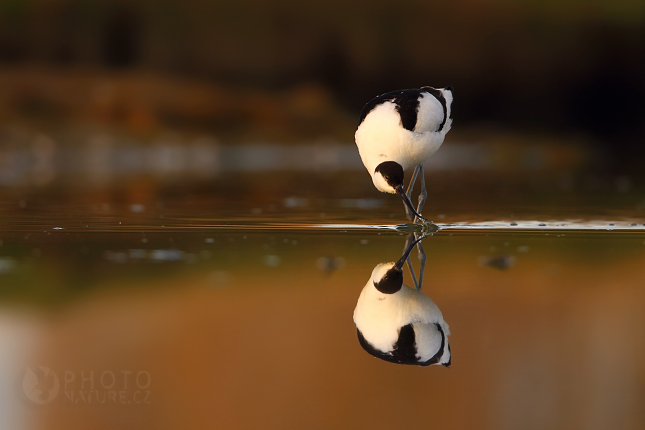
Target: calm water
(230, 306)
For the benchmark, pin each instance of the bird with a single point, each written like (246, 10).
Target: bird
(400, 324)
(399, 130)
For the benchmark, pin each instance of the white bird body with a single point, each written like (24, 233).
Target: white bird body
(405, 127)
(381, 318)
(380, 136)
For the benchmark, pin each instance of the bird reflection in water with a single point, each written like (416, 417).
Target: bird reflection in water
(397, 323)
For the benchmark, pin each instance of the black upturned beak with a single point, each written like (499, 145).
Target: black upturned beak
(408, 203)
(399, 264)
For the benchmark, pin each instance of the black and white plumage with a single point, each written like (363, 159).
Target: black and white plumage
(402, 129)
(400, 324)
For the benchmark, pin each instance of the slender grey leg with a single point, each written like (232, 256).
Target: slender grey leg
(412, 181)
(409, 240)
(424, 194)
(422, 258)
(408, 212)
(414, 278)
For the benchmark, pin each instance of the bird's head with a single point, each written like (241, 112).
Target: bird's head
(387, 278)
(388, 176)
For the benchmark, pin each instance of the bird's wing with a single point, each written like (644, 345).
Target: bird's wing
(432, 343)
(432, 113)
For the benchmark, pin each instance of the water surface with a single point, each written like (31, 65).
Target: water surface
(236, 300)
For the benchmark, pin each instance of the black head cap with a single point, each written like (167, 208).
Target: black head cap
(391, 282)
(392, 172)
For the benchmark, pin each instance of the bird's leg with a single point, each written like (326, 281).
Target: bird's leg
(422, 258)
(409, 240)
(414, 278)
(412, 181)
(408, 192)
(423, 194)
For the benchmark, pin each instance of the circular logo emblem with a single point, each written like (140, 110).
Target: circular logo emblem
(40, 385)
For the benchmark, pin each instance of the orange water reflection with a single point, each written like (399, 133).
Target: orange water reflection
(557, 340)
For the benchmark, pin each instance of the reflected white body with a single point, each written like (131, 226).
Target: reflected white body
(379, 317)
(381, 137)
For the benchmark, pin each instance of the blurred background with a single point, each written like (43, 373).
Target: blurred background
(165, 167)
(285, 71)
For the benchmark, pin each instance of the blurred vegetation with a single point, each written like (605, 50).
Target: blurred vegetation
(535, 66)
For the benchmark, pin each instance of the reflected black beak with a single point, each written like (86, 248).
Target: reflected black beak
(399, 264)
(408, 203)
